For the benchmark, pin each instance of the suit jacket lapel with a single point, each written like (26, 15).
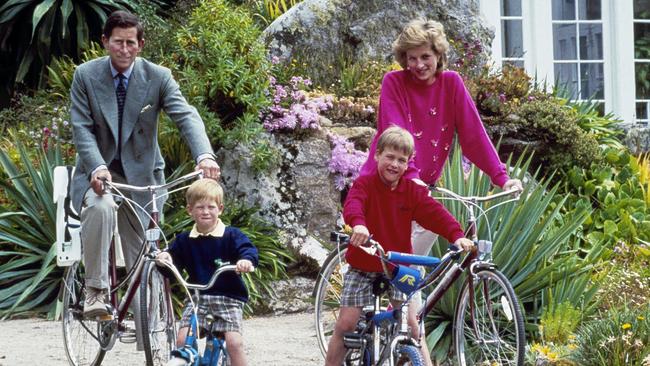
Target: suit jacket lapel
(135, 97)
(105, 90)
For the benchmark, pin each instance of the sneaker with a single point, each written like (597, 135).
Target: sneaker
(177, 361)
(95, 305)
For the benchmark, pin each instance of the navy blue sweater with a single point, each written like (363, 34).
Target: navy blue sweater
(197, 255)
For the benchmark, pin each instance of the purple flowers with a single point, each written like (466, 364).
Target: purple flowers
(346, 161)
(292, 109)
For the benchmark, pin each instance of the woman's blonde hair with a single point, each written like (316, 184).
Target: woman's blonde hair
(418, 33)
(204, 189)
(396, 138)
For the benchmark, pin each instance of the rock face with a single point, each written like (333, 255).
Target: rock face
(298, 196)
(320, 32)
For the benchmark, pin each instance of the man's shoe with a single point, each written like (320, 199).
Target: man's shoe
(95, 305)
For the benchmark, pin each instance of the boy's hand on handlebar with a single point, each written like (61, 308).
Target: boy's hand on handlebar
(210, 168)
(513, 184)
(244, 265)
(464, 244)
(359, 236)
(98, 179)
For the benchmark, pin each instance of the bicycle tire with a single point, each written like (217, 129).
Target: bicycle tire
(327, 295)
(408, 355)
(156, 315)
(498, 320)
(80, 336)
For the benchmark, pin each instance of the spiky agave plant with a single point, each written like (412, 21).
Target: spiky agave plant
(533, 245)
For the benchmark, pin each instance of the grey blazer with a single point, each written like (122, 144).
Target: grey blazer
(94, 119)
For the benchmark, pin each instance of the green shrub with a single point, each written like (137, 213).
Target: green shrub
(558, 322)
(619, 337)
(557, 141)
(222, 66)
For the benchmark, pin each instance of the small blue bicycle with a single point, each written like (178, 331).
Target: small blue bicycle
(215, 352)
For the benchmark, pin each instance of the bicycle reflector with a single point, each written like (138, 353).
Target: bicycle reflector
(406, 279)
(484, 249)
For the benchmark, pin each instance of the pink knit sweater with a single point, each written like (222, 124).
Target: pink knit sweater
(432, 113)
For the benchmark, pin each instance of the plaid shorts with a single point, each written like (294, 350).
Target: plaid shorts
(227, 312)
(357, 289)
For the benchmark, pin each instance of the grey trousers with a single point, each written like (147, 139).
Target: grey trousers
(97, 223)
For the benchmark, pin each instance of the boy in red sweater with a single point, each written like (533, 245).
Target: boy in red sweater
(385, 204)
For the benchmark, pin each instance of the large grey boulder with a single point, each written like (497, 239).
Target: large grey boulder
(321, 32)
(298, 196)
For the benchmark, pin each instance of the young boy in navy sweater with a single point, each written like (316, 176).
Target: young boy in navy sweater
(196, 252)
(385, 204)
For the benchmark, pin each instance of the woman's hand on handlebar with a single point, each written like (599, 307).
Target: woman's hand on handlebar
(359, 236)
(244, 265)
(464, 244)
(513, 184)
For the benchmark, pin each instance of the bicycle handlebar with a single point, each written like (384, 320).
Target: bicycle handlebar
(453, 194)
(154, 188)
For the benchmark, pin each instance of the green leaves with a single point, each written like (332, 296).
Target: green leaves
(35, 31)
(29, 277)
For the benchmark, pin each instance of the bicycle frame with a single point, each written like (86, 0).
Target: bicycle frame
(152, 239)
(214, 345)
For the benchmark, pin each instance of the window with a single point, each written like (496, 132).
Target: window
(642, 60)
(578, 48)
(512, 39)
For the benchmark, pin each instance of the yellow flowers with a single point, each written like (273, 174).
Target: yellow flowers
(626, 326)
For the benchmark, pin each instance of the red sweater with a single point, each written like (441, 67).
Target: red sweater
(433, 114)
(388, 214)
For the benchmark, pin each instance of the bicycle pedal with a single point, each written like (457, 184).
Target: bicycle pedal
(128, 337)
(104, 318)
(353, 340)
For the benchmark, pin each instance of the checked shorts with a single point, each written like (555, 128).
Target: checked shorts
(357, 289)
(227, 313)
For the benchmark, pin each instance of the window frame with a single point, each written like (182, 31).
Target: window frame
(618, 48)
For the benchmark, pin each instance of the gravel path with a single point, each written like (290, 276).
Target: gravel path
(286, 340)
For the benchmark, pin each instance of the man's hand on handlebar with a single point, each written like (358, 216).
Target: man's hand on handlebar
(164, 257)
(464, 244)
(244, 265)
(98, 179)
(210, 168)
(360, 235)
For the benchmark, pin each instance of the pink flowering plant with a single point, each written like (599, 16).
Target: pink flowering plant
(292, 109)
(346, 161)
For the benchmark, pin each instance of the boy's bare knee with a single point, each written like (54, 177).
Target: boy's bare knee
(234, 341)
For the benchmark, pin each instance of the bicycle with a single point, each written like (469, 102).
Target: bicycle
(215, 352)
(488, 325)
(86, 341)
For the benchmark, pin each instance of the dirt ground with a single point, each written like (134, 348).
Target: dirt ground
(287, 340)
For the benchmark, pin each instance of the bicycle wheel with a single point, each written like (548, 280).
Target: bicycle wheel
(408, 355)
(494, 333)
(327, 294)
(80, 336)
(156, 315)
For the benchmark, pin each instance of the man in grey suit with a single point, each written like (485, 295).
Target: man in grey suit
(116, 101)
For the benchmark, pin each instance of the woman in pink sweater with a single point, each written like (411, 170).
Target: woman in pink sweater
(433, 104)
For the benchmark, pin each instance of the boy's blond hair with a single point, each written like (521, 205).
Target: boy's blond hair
(397, 138)
(417, 33)
(204, 189)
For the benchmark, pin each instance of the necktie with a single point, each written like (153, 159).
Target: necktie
(120, 92)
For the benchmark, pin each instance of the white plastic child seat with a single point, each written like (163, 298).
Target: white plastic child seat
(68, 247)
